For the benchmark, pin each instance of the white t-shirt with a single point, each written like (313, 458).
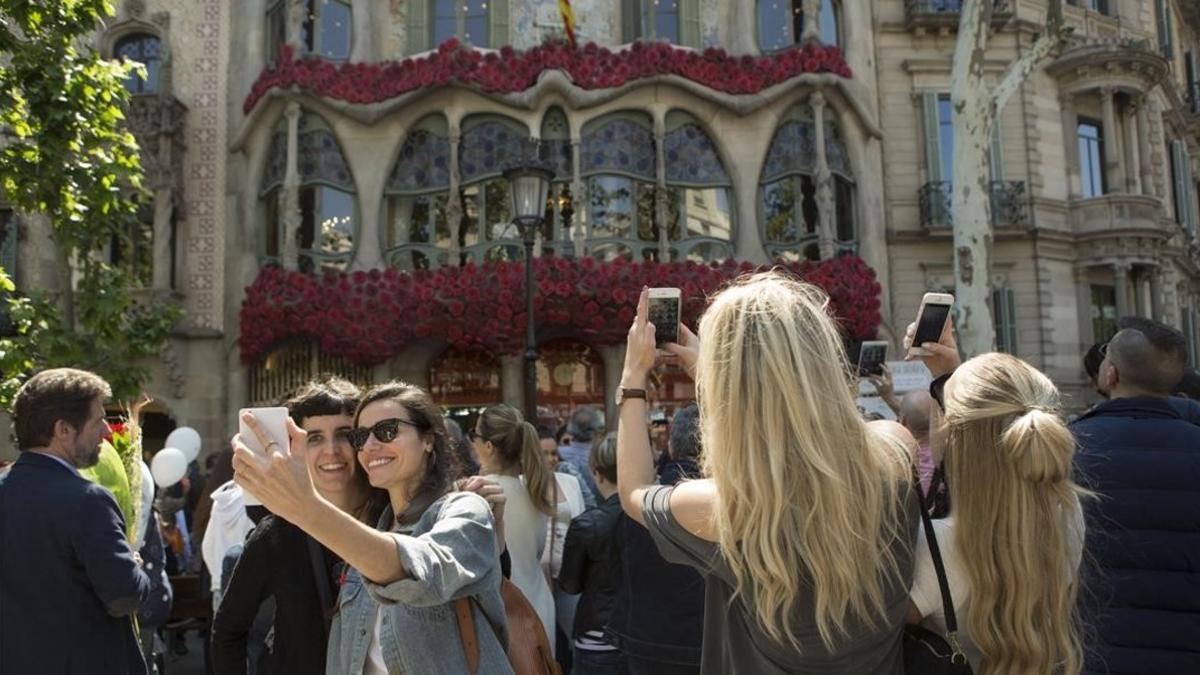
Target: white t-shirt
(927, 596)
(375, 664)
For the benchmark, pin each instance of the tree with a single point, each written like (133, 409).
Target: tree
(976, 109)
(67, 159)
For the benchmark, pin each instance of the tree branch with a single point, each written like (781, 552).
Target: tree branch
(1055, 34)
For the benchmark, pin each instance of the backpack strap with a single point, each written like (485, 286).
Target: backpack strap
(466, 631)
(324, 588)
(940, 568)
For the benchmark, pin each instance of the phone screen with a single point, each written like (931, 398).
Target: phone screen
(664, 314)
(931, 324)
(870, 361)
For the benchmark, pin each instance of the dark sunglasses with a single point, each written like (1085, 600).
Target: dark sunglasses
(1104, 350)
(385, 431)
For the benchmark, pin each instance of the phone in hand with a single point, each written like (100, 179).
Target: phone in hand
(871, 357)
(273, 422)
(664, 314)
(931, 321)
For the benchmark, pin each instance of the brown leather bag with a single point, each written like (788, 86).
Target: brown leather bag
(528, 648)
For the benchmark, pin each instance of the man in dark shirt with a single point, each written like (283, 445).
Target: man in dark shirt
(68, 579)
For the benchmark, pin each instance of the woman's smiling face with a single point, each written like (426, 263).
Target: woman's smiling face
(399, 462)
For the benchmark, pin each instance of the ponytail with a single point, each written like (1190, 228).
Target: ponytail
(1039, 445)
(517, 443)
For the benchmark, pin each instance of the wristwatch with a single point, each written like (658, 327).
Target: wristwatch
(624, 394)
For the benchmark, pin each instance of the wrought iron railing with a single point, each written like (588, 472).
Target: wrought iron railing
(1008, 201)
(917, 8)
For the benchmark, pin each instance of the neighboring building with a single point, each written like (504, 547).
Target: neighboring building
(1094, 185)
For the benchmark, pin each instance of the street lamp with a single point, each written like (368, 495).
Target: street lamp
(528, 186)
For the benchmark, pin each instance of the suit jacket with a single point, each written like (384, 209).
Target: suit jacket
(68, 581)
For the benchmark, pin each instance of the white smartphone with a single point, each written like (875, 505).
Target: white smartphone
(871, 357)
(664, 314)
(931, 320)
(273, 422)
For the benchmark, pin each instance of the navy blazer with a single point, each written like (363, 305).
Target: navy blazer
(68, 581)
(1142, 591)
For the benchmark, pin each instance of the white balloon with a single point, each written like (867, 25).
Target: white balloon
(168, 467)
(186, 439)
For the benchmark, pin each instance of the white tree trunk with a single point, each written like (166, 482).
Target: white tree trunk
(976, 109)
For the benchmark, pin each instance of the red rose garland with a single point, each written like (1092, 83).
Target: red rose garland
(370, 317)
(507, 71)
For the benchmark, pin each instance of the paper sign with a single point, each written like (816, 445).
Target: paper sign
(909, 376)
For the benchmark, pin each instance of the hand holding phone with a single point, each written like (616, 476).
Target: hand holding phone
(272, 423)
(932, 318)
(871, 357)
(664, 314)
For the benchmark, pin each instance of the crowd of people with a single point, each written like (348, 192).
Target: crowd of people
(767, 528)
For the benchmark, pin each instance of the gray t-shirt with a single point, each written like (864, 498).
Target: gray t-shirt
(733, 640)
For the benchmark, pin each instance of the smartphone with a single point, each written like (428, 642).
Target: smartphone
(931, 320)
(871, 357)
(664, 314)
(273, 422)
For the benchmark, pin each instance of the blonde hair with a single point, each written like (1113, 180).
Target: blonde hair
(1017, 515)
(517, 443)
(808, 497)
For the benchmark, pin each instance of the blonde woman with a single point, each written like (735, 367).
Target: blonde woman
(1012, 544)
(805, 522)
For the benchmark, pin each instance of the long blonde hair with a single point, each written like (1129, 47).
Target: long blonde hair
(1017, 515)
(808, 497)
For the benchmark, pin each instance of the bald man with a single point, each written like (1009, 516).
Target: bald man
(914, 414)
(1143, 460)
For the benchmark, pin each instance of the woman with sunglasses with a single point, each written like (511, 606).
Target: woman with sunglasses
(397, 607)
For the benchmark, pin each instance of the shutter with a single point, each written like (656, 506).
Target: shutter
(1179, 186)
(631, 20)
(1163, 15)
(1189, 203)
(418, 26)
(1193, 84)
(929, 119)
(689, 23)
(1004, 313)
(995, 155)
(498, 19)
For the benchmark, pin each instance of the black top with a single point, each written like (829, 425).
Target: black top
(587, 565)
(276, 562)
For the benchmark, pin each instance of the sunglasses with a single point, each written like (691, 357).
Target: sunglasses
(385, 431)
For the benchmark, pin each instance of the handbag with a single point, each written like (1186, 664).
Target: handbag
(528, 647)
(926, 652)
(548, 565)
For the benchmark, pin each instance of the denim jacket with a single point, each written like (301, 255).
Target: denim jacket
(449, 553)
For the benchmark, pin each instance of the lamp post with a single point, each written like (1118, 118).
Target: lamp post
(528, 186)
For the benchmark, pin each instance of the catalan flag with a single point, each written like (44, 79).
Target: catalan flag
(568, 16)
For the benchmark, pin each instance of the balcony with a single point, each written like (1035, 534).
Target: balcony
(1115, 213)
(942, 15)
(1009, 204)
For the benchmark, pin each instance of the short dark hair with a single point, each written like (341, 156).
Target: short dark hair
(603, 457)
(56, 394)
(685, 433)
(1093, 359)
(1164, 338)
(1142, 364)
(326, 396)
(1189, 386)
(583, 425)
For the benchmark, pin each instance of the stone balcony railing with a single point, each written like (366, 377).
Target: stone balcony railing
(943, 15)
(1118, 212)
(1008, 201)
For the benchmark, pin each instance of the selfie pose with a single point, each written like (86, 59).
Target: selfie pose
(805, 521)
(396, 609)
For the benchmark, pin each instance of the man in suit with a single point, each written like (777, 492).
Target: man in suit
(68, 579)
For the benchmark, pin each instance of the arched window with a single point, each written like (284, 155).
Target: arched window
(700, 216)
(326, 31)
(276, 28)
(460, 378)
(674, 21)
(490, 144)
(143, 48)
(570, 373)
(328, 208)
(617, 165)
(415, 229)
(781, 23)
(479, 23)
(560, 205)
(788, 202)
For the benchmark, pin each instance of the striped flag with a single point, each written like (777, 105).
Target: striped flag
(568, 16)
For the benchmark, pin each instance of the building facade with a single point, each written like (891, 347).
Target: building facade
(326, 136)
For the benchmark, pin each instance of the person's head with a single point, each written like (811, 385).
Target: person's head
(583, 424)
(1008, 466)
(400, 435)
(1189, 386)
(603, 462)
(505, 442)
(462, 448)
(60, 411)
(806, 491)
(915, 407)
(325, 409)
(1091, 363)
(549, 447)
(1137, 363)
(684, 442)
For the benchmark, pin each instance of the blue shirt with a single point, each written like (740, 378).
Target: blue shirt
(60, 460)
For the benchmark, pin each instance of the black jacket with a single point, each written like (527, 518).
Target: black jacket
(659, 609)
(587, 565)
(1143, 533)
(276, 562)
(68, 582)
